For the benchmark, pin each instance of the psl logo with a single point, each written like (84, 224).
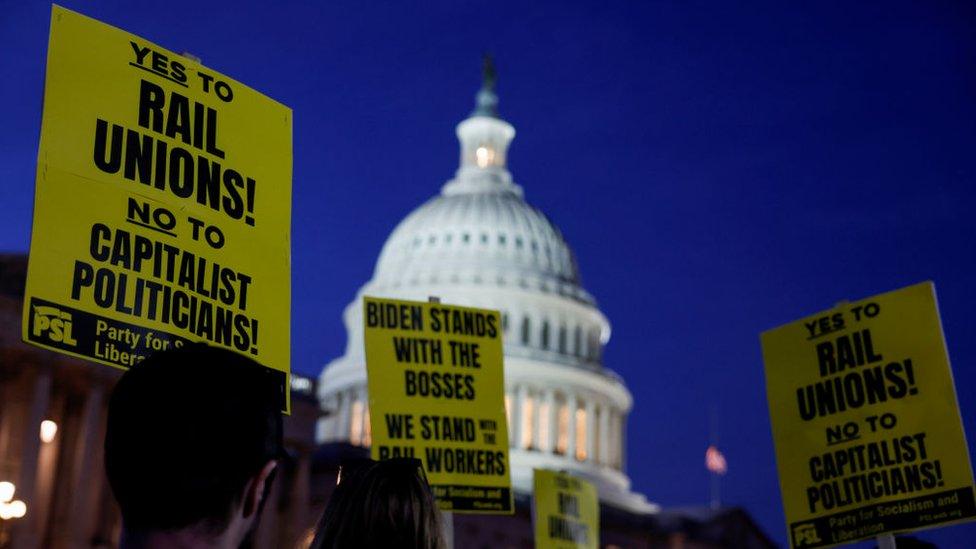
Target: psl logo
(54, 324)
(805, 534)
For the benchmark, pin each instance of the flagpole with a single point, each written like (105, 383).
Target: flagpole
(716, 487)
(716, 497)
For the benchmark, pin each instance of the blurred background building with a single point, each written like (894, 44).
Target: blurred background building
(52, 426)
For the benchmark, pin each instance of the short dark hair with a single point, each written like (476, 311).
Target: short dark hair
(186, 429)
(381, 504)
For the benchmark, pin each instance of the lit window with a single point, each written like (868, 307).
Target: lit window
(484, 156)
(508, 409)
(562, 439)
(526, 418)
(581, 434)
(544, 427)
(356, 426)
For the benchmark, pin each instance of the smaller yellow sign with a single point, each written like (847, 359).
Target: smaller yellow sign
(437, 393)
(865, 422)
(567, 512)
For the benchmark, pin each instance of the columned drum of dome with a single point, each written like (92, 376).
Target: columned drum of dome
(479, 244)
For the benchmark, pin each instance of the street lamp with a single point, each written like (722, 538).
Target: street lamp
(49, 430)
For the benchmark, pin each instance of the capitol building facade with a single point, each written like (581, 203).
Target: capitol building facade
(479, 243)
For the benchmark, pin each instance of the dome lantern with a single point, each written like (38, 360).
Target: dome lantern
(484, 141)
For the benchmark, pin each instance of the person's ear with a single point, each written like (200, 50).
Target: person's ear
(257, 488)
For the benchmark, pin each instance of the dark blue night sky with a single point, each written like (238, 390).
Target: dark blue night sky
(718, 169)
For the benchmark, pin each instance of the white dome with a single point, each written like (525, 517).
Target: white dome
(495, 237)
(478, 243)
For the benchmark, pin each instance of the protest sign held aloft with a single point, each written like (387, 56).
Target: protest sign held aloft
(162, 206)
(567, 511)
(867, 430)
(436, 392)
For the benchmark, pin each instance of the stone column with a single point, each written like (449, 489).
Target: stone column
(47, 466)
(590, 431)
(537, 419)
(345, 408)
(331, 420)
(360, 435)
(605, 412)
(623, 443)
(86, 473)
(517, 410)
(614, 434)
(618, 438)
(8, 422)
(37, 407)
(571, 404)
(298, 497)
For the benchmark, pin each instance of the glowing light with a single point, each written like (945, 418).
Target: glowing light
(301, 384)
(49, 430)
(17, 508)
(528, 409)
(544, 427)
(484, 156)
(6, 491)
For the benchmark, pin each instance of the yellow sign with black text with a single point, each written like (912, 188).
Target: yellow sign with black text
(868, 434)
(437, 393)
(567, 512)
(162, 207)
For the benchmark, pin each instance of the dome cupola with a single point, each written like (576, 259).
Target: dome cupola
(484, 138)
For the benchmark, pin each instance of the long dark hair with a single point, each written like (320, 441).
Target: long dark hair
(380, 504)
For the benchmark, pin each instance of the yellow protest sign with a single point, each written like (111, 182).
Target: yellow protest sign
(567, 512)
(436, 393)
(868, 435)
(162, 208)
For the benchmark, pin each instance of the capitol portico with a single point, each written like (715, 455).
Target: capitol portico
(478, 243)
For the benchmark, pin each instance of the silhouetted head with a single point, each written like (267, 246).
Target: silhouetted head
(193, 438)
(380, 504)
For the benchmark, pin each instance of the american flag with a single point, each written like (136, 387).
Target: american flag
(715, 461)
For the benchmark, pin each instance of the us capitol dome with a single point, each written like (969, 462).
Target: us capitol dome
(479, 243)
